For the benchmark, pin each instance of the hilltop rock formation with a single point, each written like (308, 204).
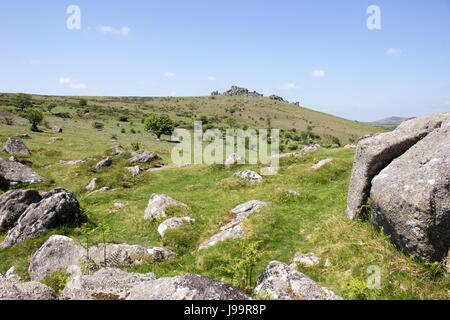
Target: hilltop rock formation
(282, 282)
(237, 91)
(157, 205)
(56, 207)
(15, 146)
(406, 173)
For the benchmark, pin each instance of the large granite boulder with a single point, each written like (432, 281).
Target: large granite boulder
(14, 173)
(61, 253)
(142, 156)
(12, 287)
(411, 197)
(104, 163)
(186, 287)
(56, 208)
(157, 205)
(15, 146)
(375, 152)
(105, 284)
(13, 203)
(282, 282)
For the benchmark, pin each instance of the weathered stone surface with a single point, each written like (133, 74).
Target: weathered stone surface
(73, 162)
(92, 185)
(249, 175)
(12, 158)
(320, 164)
(174, 223)
(309, 259)
(57, 207)
(13, 173)
(281, 282)
(105, 284)
(15, 146)
(236, 91)
(410, 197)
(13, 204)
(117, 152)
(61, 253)
(233, 230)
(12, 287)
(157, 205)
(375, 152)
(142, 156)
(104, 163)
(311, 148)
(276, 98)
(234, 159)
(135, 171)
(186, 287)
(349, 146)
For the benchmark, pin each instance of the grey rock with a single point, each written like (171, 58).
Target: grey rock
(72, 162)
(57, 129)
(311, 148)
(135, 171)
(142, 156)
(157, 205)
(174, 223)
(117, 152)
(281, 282)
(276, 98)
(56, 139)
(13, 204)
(237, 91)
(13, 173)
(309, 259)
(22, 136)
(320, 164)
(12, 158)
(104, 163)
(234, 159)
(186, 287)
(15, 146)
(60, 253)
(410, 197)
(105, 284)
(104, 189)
(249, 175)
(350, 146)
(235, 232)
(92, 185)
(375, 152)
(56, 208)
(12, 287)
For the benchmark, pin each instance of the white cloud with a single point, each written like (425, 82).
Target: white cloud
(72, 84)
(168, 74)
(393, 52)
(288, 86)
(318, 73)
(124, 31)
(212, 78)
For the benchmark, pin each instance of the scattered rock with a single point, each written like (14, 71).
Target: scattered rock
(105, 284)
(104, 163)
(320, 164)
(173, 223)
(12, 287)
(157, 205)
(117, 151)
(311, 148)
(281, 282)
(287, 155)
(13, 173)
(59, 253)
(142, 156)
(104, 189)
(12, 158)
(349, 146)
(410, 197)
(73, 162)
(233, 230)
(276, 98)
(249, 175)
(56, 139)
(186, 287)
(92, 185)
(15, 146)
(23, 136)
(234, 159)
(56, 208)
(308, 260)
(375, 152)
(13, 204)
(117, 206)
(135, 171)
(57, 129)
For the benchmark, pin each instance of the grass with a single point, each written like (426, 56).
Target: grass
(313, 221)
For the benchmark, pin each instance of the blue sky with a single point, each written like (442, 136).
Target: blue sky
(317, 52)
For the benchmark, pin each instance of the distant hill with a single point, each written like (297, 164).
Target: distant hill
(389, 122)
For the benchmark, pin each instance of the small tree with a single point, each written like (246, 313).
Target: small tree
(159, 125)
(21, 101)
(35, 117)
(83, 102)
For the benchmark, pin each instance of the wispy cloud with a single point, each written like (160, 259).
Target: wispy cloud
(288, 86)
(318, 74)
(212, 78)
(168, 74)
(393, 52)
(124, 31)
(72, 84)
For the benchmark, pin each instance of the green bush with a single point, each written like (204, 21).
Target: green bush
(35, 117)
(21, 101)
(159, 125)
(57, 280)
